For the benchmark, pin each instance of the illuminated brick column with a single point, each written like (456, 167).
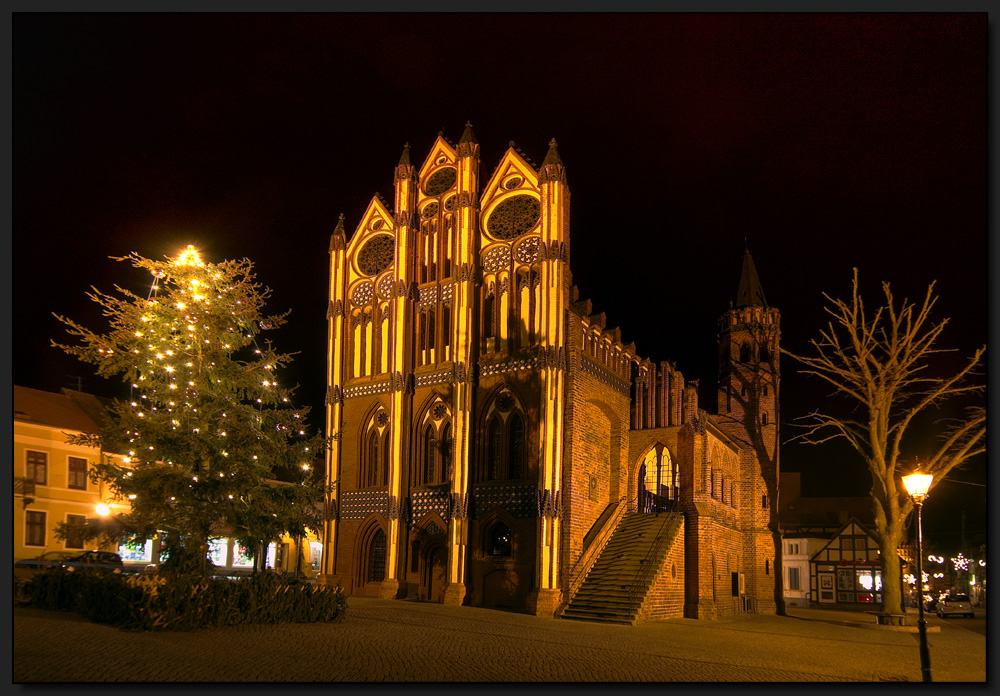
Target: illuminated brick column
(401, 366)
(554, 249)
(334, 399)
(463, 337)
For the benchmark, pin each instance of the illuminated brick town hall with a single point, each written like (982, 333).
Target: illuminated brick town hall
(494, 443)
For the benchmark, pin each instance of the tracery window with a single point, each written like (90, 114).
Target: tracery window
(374, 469)
(660, 473)
(504, 451)
(434, 445)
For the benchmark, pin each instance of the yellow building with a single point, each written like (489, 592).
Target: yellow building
(51, 482)
(52, 485)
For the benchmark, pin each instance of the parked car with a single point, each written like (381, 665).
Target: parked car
(955, 604)
(930, 602)
(30, 566)
(100, 560)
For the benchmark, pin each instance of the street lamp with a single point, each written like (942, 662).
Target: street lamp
(917, 485)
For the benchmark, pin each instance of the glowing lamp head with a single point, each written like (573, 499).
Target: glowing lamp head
(917, 484)
(103, 510)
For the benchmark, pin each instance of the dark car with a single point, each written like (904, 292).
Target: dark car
(30, 566)
(99, 560)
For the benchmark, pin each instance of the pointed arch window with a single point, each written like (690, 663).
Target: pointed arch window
(370, 469)
(430, 444)
(745, 353)
(765, 354)
(499, 538)
(515, 447)
(494, 449)
(446, 452)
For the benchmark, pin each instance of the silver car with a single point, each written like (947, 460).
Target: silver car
(955, 604)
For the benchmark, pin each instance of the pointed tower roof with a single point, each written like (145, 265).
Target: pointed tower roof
(404, 159)
(338, 240)
(468, 136)
(552, 168)
(552, 156)
(750, 292)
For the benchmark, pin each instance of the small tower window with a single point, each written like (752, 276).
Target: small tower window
(763, 419)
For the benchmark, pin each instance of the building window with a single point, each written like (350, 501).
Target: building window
(793, 548)
(446, 452)
(763, 419)
(767, 566)
(515, 451)
(494, 452)
(34, 528)
(430, 471)
(38, 467)
(793, 578)
(763, 501)
(75, 524)
(371, 472)
(498, 540)
(77, 473)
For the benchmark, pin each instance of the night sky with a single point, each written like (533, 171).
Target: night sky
(819, 142)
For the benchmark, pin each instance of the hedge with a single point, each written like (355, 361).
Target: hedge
(165, 601)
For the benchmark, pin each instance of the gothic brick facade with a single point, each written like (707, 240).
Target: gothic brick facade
(487, 430)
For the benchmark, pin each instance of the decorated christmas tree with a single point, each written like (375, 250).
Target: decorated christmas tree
(209, 442)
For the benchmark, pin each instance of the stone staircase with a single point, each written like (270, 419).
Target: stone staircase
(616, 586)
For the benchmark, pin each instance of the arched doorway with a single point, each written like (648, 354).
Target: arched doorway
(435, 573)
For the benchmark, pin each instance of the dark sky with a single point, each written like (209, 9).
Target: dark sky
(822, 142)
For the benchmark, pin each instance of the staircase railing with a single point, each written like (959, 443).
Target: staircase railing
(642, 574)
(591, 552)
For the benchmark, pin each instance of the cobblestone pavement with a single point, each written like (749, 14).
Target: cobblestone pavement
(386, 640)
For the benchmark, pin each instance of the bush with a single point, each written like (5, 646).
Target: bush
(166, 601)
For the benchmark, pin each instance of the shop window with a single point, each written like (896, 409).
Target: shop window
(77, 473)
(315, 555)
(242, 556)
(136, 552)
(34, 528)
(76, 524)
(218, 552)
(38, 467)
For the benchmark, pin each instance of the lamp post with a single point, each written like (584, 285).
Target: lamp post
(917, 485)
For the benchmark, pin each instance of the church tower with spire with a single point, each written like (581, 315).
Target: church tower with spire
(749, 382)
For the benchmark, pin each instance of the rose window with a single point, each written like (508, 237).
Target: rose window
(440, 181)
(376, 255)
(513, 217)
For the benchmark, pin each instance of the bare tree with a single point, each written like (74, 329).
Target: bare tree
(882, 364)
